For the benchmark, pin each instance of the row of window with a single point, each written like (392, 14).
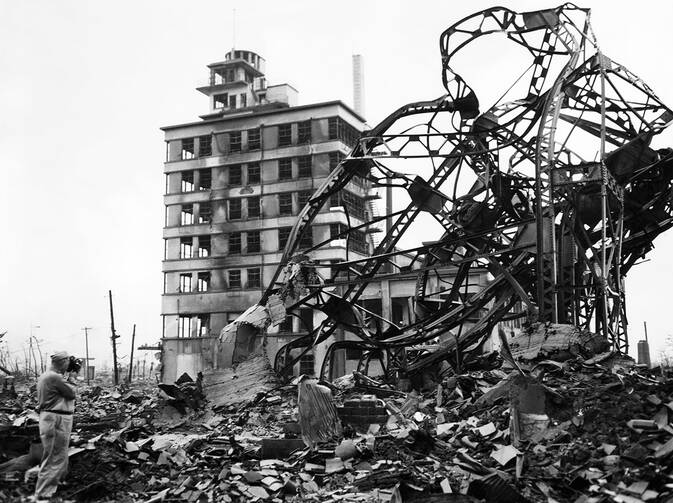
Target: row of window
(232, 141)
(201, 212)
(201, 321)
(187, 285)
(201, 179)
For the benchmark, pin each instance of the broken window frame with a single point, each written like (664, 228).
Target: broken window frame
(285, 206)
(185, 283)
(234, 278)
(184, 325)
(205, 179)
(235, 243)
(235, 208)
(339, 129)
(254, 173)
(304, 131)
(285, 168)
(187, 214)
(284, 135)
(235, 175)
(204, 246)
(283, 236)
(205, 212)
(203, 281)
(186, 247)
(254, 277)
(187, 149)
(222, 100)
(235, 143)
(253, 241)
(203, 325)
(254, 206)
(205, 146)
(254, 139)
(305, 166)
(187, 181)
(334, 159)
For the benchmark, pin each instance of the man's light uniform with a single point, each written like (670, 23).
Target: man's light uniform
(56, 402)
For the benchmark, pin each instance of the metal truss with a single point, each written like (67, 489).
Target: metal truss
(554, 192)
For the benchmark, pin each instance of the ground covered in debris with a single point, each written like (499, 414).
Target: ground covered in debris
(579, 431)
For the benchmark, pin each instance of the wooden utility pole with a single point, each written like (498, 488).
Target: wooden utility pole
(86, 342)
(114, 338)
(133, 341)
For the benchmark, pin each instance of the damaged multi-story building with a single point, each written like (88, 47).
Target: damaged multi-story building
(236, 180)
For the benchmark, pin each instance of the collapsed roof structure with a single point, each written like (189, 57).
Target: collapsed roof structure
(555, 189)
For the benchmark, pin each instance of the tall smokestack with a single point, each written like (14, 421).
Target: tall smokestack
(358, 85)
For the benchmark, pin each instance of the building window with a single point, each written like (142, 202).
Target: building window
(235, 175)
(307, 364)
(187, 178)
(254, 175)
(232, 101)
(335, 230)
(357, 241)
(355, 205)
(186, 247)
(205, 146)
(334, 159)
(186, 283)
(203, 325)
(339, 129)
(285, 169)
(205, 212)
(204, 246)
(285, 203)
(304, 167)
(205, 179)
(187, 149)
(234, 243)
(304, 132)
(303, 198)
(234, 209)
(244, 101)
(286, 325)
(235, 278)
(203, 282)
(284, 135)
(235, 141)
(221, 100)
(187, 214)
(253, 240)
(306, 240)
(254, 139)
(283, 235)
(184, 325)
(254, 278)
(253, 207)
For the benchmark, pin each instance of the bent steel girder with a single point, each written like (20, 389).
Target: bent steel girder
(553, 195)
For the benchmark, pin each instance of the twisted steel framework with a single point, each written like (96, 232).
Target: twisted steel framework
(557, 193)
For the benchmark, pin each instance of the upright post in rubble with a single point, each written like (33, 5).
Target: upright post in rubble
(86, 343)
(133, 341)
(114, 340)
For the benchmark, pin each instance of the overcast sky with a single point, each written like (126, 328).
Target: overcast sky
(87, 85)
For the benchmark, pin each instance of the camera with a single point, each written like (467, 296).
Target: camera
(74, 365)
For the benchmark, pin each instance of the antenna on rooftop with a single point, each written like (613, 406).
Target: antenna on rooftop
(233, 31)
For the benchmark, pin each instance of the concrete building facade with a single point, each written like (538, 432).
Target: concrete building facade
(235, 182)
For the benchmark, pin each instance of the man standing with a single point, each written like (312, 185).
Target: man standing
(56, 404)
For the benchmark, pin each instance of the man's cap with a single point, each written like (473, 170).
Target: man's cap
(60, 355)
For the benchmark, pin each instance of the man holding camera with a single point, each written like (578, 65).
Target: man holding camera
(56, 404)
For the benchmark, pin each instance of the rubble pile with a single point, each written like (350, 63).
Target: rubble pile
(583, 430)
